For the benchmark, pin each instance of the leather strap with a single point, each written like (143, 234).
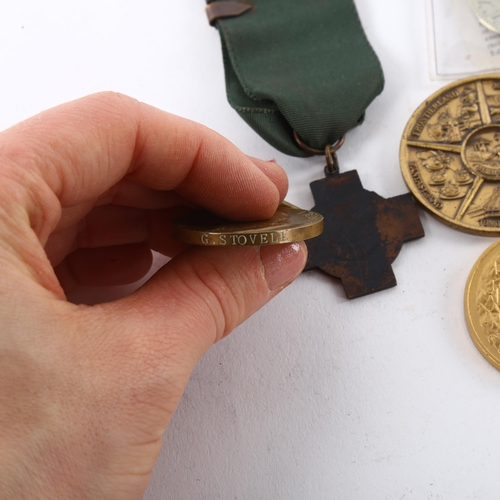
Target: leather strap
(296, 65)
(218, 10)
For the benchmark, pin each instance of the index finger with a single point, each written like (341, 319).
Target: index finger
(79, 150)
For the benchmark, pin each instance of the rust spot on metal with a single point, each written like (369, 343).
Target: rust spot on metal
(363, 233)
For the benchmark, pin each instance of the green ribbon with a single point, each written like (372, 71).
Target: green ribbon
(299, 65)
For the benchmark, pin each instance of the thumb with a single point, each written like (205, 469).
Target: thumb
(198, 298)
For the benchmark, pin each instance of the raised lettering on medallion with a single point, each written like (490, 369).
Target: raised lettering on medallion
(450, 155)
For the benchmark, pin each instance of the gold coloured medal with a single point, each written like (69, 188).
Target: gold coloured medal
(450, 154)
(288, 224)
(482, 304)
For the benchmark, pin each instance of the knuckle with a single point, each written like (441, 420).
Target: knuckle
(112, 100)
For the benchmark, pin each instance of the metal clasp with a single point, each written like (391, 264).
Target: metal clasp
(330, 152)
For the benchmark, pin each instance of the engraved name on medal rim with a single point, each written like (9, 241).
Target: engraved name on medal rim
(287, 225)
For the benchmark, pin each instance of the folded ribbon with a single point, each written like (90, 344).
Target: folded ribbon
(303, 66)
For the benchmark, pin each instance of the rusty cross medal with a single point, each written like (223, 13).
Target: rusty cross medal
(363, 232)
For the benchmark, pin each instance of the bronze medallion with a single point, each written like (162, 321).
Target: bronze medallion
(482, 304)
(288, 224)
(450, 154)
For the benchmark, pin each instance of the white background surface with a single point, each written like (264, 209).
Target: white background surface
(315, 397)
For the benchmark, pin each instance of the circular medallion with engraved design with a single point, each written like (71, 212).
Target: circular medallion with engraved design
(450, 154)
(482, 304)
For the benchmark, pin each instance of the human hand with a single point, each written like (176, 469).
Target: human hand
(90, 188)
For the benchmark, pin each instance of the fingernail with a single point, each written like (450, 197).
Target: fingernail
(283, 263)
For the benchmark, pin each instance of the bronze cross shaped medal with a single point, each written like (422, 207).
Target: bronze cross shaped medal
(302, 74)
